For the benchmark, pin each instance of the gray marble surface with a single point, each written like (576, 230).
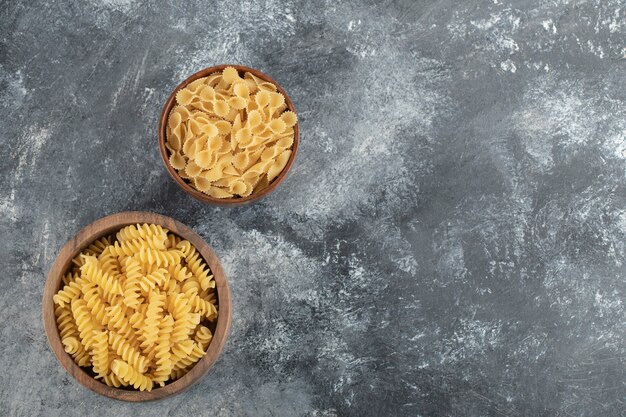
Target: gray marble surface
(450, 241)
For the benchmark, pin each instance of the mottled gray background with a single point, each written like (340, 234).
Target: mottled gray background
(450, 241)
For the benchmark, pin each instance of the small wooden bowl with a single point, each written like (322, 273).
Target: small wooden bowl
(169, 104)
(107, 226)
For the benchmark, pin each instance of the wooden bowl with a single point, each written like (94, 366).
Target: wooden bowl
(169, 104)
(107, 226)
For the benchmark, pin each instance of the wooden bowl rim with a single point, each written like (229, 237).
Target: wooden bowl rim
(106, 226)
(232, 202)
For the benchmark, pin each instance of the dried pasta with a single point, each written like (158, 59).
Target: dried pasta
(230, 136)
(137, 306)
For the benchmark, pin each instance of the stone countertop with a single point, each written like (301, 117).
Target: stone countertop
(450, 241)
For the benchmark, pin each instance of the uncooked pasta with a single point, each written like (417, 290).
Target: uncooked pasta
(136, 307)
(230, 136)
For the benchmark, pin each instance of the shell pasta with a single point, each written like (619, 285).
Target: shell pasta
(229, 135)
(137, 307)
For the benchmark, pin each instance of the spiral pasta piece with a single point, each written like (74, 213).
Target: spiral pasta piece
(206, 280)
(181, 350)
(190, 287)
(198, 268)
(127, 351)
(209, 295)
(73, 346)
(172, 241)
(158, 257)
(95, 303)
(153, 318)
(138, 318)
(92, 271)
(98, 246)
(132, 268)
(119, 321)
(131, 376)
(86, 325)
(153, 279)
(203, 336)
(110, 264)
(181, 312)
(202, 307)
(132, 287)
(65, 322)
(163, 355)
(179, 273)
(100, 357)
(194, 356)
(186, 248)
(127, 247)
(178, 306)
(113, 380)
(153, 235)
(69, 292)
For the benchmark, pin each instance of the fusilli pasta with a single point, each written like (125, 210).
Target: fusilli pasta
(137, 306)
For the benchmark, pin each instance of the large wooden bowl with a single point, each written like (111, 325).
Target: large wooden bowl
(169, 104)
(107, 226)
